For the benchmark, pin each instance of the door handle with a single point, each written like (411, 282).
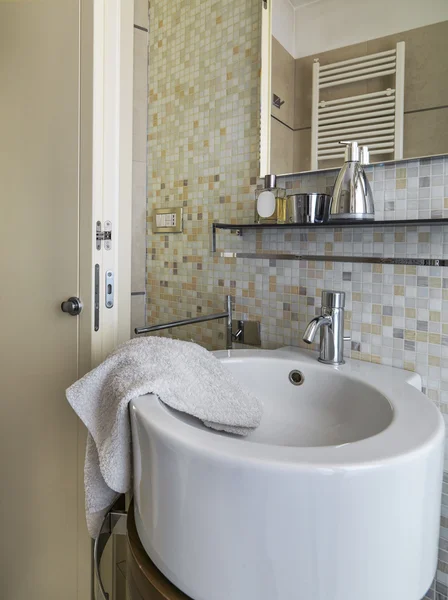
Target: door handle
(72, 306)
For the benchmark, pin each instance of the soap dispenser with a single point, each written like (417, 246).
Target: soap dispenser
(270, 202)
(352, 195)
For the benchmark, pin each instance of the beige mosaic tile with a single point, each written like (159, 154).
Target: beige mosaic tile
(203, 143)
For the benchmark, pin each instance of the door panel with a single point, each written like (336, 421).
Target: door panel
(39, 204)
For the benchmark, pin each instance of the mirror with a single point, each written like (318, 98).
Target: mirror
(376, 73)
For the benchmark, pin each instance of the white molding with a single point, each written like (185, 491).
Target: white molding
(265, 88)
(125, 162)
(105, 188)
(112, 162)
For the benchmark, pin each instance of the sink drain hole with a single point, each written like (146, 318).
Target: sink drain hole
(296, 377)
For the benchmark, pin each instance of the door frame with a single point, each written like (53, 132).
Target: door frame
(105, 193)
(111, 191)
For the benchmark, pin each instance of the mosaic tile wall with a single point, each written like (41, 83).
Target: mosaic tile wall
(203, 143)
(396, 315)
(203, 155)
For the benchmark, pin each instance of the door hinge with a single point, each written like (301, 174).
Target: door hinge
(104, 236)
(265, 3)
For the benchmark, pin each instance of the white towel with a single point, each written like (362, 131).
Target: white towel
(183, 375)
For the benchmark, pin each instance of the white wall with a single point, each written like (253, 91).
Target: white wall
(283, 24)
(329, 24)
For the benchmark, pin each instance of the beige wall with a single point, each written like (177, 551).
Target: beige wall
(282, 121)
(426, 92)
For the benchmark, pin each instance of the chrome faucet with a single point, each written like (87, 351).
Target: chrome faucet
(331, 326)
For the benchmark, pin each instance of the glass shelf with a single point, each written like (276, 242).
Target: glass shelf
(240, 227)
(331, 224)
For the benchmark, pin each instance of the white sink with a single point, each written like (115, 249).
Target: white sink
(336, 496)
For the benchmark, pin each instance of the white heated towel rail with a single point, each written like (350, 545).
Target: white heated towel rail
(374, 119)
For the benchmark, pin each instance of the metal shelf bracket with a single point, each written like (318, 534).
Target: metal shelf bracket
(114, 523)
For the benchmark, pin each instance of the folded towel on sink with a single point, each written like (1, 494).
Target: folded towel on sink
(183, 375)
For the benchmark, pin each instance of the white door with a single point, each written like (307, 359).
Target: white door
(44, 549)
(39, 174)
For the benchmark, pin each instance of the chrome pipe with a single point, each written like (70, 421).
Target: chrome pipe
(224, 315)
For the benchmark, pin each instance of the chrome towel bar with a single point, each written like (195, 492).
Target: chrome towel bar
(224, 315)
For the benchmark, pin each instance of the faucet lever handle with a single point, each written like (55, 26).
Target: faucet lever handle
(333, 299)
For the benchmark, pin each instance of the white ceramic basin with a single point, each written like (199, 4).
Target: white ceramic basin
(336, 496)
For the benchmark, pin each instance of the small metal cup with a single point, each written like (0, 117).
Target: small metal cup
(308, 208)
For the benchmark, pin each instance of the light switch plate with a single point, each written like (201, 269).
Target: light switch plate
(167, 220)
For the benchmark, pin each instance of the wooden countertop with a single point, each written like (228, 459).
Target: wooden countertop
(146, 582)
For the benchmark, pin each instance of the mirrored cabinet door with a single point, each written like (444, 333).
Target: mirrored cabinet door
(331, 78)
